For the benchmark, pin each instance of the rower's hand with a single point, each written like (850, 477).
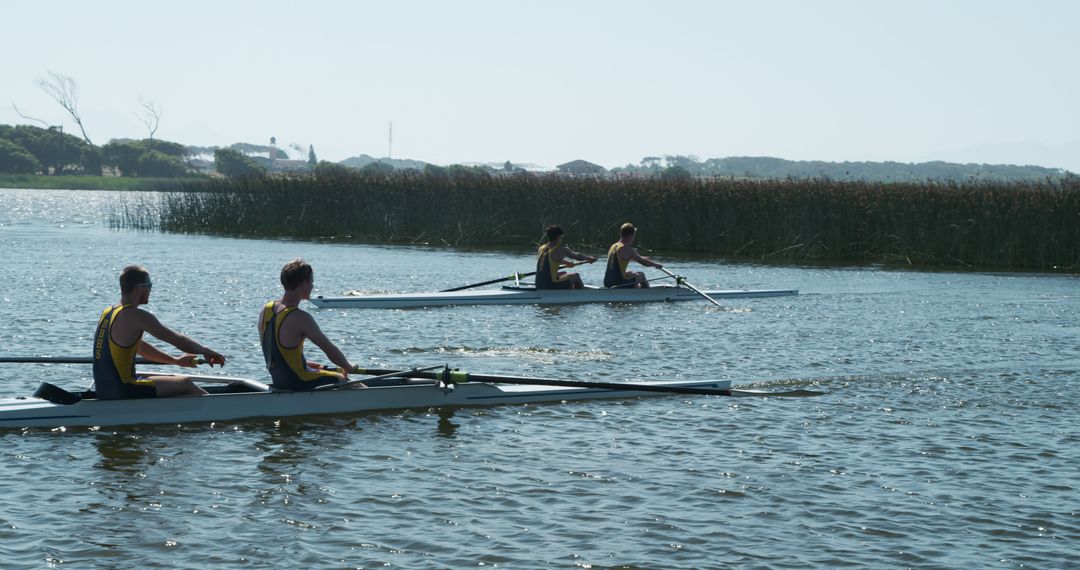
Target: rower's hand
(213, 358)
(344, 372)
(188, 361)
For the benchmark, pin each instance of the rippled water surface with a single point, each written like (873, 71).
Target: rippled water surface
(947, 438)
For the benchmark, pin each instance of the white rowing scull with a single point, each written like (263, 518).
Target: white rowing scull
(240, 398)
(524, 295)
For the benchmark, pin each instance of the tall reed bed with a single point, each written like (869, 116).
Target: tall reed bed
(1029, 225)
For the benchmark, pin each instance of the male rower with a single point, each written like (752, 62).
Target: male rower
(550, 256)
(283, 327)
(119, 338)
(619, 256)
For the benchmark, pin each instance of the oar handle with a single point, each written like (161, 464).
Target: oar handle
(359, 370)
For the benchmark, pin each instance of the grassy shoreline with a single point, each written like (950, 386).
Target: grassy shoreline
(1026, 226)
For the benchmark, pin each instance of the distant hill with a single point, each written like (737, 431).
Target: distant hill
(398, 163)
(769, 167)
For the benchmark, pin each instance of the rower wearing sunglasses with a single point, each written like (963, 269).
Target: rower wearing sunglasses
(119, 338)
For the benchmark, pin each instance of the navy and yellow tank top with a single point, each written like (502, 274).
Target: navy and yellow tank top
(114, 365)
(615, 273)
(547, 272)
(287, 366)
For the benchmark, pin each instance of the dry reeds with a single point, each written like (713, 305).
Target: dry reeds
(1015, 225)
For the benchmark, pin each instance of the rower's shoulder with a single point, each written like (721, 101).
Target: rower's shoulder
(132, 310)
(295, 313)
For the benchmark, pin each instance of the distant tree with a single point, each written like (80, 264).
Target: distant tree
(148, 157)
(435, 172)
(273, 141)
(508, 166)
(159, 164)
(14, 159)
(51, 147)
(327, 169)
(122, 156)
(65, 92)
(377, 168)
(690, 163)
(90, 159)
(230, 162)
(651, 162)
(676, 173)
(150, 116)
(311, 156)
(173, 149)
(461, 172)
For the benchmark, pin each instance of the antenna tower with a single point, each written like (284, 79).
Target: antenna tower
(390, 142)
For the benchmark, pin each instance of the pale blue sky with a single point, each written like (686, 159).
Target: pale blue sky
(551, 81)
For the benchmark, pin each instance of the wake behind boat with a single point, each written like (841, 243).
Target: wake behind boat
(528, 295)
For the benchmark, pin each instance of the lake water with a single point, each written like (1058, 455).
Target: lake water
(947, 438)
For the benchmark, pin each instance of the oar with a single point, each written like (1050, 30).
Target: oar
(389, 374)
(209, 378)
(501, 279)
(71, 360)
(682, 281)
(452, 376)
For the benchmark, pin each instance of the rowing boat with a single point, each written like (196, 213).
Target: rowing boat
(239, 398)
(525, 295)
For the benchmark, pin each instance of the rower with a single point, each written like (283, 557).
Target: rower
(550, 256)
(119, 338)
(619, 256)
(283, 327)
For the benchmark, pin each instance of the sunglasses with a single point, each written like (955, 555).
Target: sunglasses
(148, 285)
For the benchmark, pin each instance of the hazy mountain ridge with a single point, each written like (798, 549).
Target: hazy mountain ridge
(398, 163)
(771, 167)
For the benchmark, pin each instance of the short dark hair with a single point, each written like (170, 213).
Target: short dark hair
(627, 229)
(295, 273)
(553, 232)
(132, 276)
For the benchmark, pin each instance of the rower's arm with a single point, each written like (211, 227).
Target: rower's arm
(579, 256)
(153, 354)
(152, 325)
(643, 260)
(315, 334)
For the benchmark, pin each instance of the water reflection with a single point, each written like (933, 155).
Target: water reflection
(123, 453)
(447, 428)
(292, 443)
(120, 474)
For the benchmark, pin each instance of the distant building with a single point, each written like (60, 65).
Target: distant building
(582, 168)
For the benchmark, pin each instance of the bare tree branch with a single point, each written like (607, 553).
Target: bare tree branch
(65, 92)
(28, 117)
(151, 114)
